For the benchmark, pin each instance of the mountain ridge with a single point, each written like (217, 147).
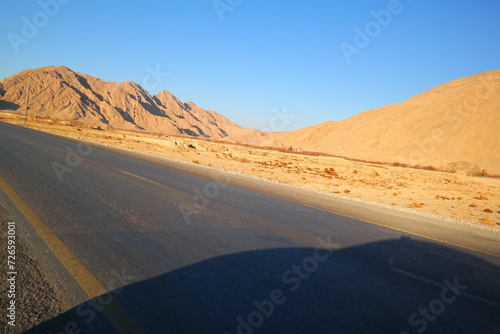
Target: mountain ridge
(58, 92)
(453, 124)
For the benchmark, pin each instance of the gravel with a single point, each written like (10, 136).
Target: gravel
(36, 299)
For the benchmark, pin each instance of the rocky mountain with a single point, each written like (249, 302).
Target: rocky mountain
(61, 93)
(454, 125)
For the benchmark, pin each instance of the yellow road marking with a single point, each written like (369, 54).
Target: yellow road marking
(114, 312)
(405, 231)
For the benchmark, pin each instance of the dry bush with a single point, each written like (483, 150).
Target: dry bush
(431, 168)
(416, 205)
(481, 198)
(400, 164)
(465, 167)
(330, 171)
(485, 173)
(443, 197)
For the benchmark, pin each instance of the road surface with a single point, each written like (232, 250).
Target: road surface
(186, 249)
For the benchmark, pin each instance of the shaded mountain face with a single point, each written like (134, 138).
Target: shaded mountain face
(58, 92)
(454, 125)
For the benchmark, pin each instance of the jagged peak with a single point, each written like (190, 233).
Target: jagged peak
(57, 91)
(166, 93)
(49, 68)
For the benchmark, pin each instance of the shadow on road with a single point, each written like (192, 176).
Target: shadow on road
(392, 286)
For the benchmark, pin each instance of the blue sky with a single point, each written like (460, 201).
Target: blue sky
(248, 59)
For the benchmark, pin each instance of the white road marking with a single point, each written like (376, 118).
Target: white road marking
(442, 286)
(141, 178)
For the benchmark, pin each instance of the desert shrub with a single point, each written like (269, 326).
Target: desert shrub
(465, 167)
(481, 198)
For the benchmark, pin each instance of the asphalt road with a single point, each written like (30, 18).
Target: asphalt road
(186, 249)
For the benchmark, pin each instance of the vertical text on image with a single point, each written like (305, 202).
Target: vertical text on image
(11, 273)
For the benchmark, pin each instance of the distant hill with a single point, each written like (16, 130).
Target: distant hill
(455, 125)
(61, 93)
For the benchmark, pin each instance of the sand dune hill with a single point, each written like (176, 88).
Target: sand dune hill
(60, 93)
(455, 125)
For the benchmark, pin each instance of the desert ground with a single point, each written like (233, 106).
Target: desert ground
(454, 195)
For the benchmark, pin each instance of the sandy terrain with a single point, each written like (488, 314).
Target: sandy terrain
(454, 124)
(468, 198)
